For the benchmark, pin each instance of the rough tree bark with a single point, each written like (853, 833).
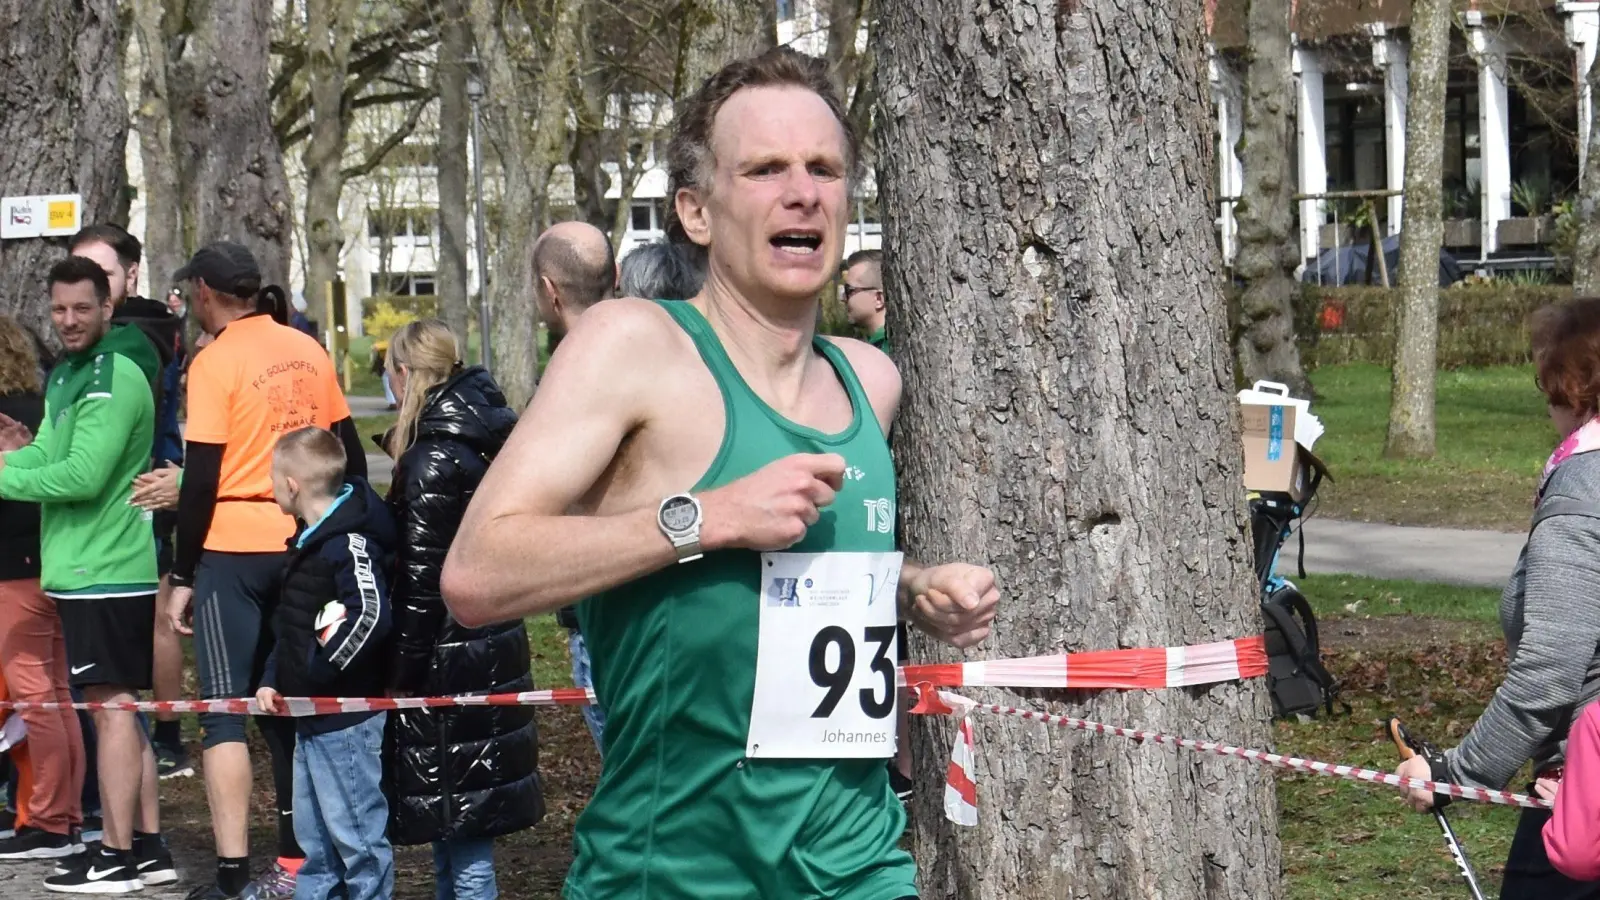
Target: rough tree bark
(63, 130)
(1068, 419)
(1269, 247)
(230, 168)
(450, 165)
(1586, 256)
(1417, 331)
(725, 30)
(330, 30)
(164, 249)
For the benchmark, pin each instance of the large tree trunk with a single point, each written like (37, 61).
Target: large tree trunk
(164, 247)
(526, 127)
(63, 130)
(1269, 247)
(1417, 332)
(723, 31)
(1586, 256)
(450, 166)
(594, 82)
(330, 30)
(1068, 419)
(230, 172)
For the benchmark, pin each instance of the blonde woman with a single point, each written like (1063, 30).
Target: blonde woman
(33, 654)
(462, 777)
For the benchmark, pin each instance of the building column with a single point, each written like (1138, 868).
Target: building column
(1494, 128)
(1313, 150)
(1391, 57)
(1228, 95)
(1583, 33)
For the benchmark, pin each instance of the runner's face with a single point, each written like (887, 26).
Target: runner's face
(106, 258)
(79, 318)
(777, 205)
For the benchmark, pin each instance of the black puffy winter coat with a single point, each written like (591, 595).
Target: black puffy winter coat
(457, 773)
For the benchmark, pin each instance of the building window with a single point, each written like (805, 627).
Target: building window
(642, 216)
(785, 10)
(405, 284)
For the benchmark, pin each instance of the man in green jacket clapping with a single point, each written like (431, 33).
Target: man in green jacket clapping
(98, 552)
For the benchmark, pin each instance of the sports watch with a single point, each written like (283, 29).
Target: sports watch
(679, 520)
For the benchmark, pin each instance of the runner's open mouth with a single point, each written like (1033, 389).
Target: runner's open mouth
(800, 243)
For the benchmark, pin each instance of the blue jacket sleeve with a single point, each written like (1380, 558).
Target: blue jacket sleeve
(364, 591)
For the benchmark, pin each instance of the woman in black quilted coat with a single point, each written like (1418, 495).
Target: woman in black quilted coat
(461, 777)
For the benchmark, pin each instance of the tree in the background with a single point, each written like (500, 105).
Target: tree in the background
(63, 130)
(159, 30)
(1411, 420)
(1269, 248)
(330, 30)
(1586, 257)
(528, 62)
(230, 165)
(1047, 173)
(725, 30)
(450, 163)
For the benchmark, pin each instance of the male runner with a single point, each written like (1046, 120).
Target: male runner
(118, 253)
(257, 381)
(99, 557)
(670, 455)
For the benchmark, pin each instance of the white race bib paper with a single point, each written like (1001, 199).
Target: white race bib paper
(825, 664)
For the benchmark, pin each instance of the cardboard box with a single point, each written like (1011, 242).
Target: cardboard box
(1273, 462)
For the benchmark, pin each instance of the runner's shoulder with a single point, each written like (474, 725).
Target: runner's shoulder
(878, 375)
(625, 329)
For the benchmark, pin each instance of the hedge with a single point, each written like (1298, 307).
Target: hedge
(384, 314)
(1479, 324)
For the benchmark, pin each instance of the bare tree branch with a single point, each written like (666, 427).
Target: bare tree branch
(376, 155)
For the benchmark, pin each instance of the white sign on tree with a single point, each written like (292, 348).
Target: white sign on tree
(51, 215)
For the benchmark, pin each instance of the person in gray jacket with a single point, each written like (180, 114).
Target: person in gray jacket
(1550, 611)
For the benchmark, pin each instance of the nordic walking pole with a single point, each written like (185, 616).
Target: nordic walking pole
(1409, 747)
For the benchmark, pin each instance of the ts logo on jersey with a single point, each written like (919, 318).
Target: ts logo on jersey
(880, 515)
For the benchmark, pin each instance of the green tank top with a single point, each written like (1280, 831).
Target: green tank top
(679, 811)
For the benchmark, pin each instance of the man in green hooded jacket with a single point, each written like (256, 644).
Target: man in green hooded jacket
(98, 552)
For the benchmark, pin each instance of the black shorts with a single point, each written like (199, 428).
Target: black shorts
(110, 640)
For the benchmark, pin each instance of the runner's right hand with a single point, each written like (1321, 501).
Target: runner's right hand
(771, 508)
(178, 609)
(269, 700)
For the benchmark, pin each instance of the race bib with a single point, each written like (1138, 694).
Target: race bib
(825, 664)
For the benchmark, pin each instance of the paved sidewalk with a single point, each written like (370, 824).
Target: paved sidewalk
(1443, 555)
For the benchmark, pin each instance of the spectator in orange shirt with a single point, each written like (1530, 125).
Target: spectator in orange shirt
(255, 382)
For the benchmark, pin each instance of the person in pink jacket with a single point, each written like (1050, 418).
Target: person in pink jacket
(1572, 836)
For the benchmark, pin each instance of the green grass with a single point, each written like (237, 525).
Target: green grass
(1493, 437)
(1350, 595)
(552, 666)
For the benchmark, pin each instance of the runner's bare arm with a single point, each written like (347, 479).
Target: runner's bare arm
(517, 552)
(954, 602)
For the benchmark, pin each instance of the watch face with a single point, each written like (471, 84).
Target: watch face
(679, 514)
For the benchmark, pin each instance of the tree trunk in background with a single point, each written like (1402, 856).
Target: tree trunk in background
(726, 30)
(1269, 248)
(230, 168)
(63, 130)
(589, 178)
(164, 248)
(1068, 418)
(1417, 331)
(330, 30)
(525, 126)
(455, 118)
(1586, 256)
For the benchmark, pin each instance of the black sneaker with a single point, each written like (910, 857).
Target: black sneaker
(901, 785)
(36, 843)
(153, 861)
(93, 829)
(172, 762)
(77, 860)
(108, 872)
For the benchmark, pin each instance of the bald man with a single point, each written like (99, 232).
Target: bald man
(573, 269)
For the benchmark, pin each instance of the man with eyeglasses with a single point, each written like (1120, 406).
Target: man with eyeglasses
(863, 295)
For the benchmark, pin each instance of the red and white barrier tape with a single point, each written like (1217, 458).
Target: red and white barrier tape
(1140, 669)
(961, 796)
(321, 706)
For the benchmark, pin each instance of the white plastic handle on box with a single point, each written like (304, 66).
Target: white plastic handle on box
(1271, 387)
